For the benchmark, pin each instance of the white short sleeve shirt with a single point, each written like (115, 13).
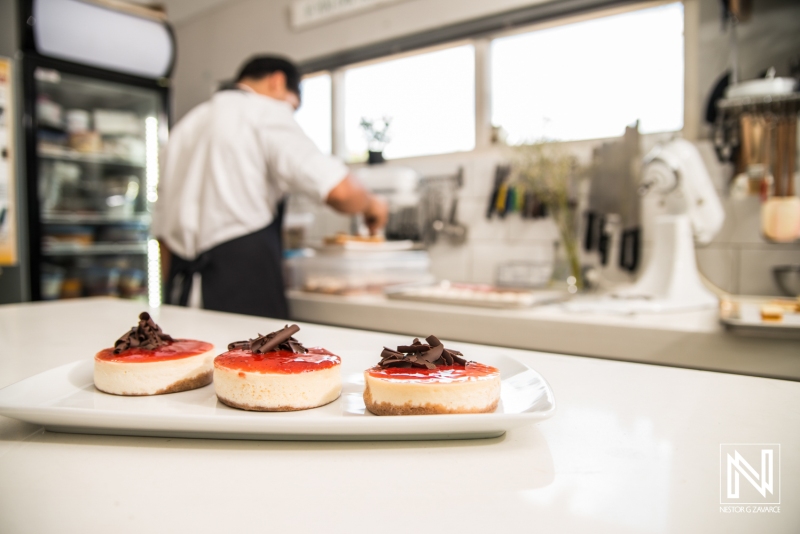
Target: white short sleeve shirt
(228, 163)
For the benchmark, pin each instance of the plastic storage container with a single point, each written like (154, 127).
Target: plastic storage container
(52, 280)
(101, 282)
(356, 272)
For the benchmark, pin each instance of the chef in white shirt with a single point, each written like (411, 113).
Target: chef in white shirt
(229, 164)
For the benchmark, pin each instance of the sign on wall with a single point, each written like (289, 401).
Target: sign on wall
(309, 12)
(8, 216)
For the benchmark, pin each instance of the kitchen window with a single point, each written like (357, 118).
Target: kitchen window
(314, 115)
(590, 79)
(563, 80)
(430, 98)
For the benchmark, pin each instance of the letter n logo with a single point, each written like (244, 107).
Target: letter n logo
(749, 473)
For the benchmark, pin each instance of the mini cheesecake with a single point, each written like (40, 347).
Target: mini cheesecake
(426, 379)
(275, 373)
(145, 361)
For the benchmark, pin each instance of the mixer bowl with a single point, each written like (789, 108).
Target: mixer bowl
(788, 279)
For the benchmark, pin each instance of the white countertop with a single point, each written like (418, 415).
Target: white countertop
(691, 339)
(631, 448)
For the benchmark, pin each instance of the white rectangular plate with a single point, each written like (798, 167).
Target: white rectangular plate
(64, 399)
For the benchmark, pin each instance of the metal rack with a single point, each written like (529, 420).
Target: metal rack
(759, 135)
(727, 132)
(753, 103)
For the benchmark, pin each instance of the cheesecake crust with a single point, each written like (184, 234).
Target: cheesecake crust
(198, 381)
(252, 408)
(387, 408)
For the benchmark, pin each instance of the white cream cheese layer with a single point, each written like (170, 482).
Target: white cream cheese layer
(278, 391)
(149, 378)
(469, 395)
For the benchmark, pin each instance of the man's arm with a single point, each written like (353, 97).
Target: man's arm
(350, 197)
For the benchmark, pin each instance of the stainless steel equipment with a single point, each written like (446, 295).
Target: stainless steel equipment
(421, 208)
(788, 279)
(400, 186)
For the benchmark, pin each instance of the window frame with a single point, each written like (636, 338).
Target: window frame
(329, 74)
(403, 55)
(483, 71)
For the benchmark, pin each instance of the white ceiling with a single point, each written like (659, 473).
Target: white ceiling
(181, 10)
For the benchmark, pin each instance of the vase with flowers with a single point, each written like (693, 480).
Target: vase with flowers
(553, 174)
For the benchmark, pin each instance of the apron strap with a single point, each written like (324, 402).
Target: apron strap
(179, 281)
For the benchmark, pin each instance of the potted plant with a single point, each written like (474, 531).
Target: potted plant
(377, 133)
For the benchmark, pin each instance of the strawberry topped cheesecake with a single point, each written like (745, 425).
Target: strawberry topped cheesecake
(276, 373)
(427, 378)
(146, 361)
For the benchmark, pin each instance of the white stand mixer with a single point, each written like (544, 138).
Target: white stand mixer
(671, 281)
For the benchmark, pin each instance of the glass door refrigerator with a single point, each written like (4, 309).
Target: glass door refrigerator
(93, 132)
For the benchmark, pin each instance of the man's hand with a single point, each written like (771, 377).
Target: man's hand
(376, 214)
(350, 197)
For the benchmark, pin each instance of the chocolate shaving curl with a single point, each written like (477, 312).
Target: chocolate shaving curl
(279, 340)
(146, 335)
(421, 355)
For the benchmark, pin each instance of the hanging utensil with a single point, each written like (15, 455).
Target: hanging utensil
(746, 153)
(765, 143)
(501, 173)
(780, 214)
(455, 231)
(791, 202)
(791, 145)
(777, 172)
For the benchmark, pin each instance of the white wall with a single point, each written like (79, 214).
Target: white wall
(212, 45)
(490, 241)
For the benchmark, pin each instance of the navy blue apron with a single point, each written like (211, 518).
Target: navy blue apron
(243, 275)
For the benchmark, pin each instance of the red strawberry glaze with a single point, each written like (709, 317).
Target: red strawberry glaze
(176, 350)
(442, 373)
(277, 362)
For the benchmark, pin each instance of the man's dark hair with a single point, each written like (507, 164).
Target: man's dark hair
(259, 66)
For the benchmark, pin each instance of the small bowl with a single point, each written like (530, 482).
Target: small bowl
(788, 279)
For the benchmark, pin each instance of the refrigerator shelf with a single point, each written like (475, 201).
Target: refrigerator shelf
(95, 249)
(85, 157)
(93, 218)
